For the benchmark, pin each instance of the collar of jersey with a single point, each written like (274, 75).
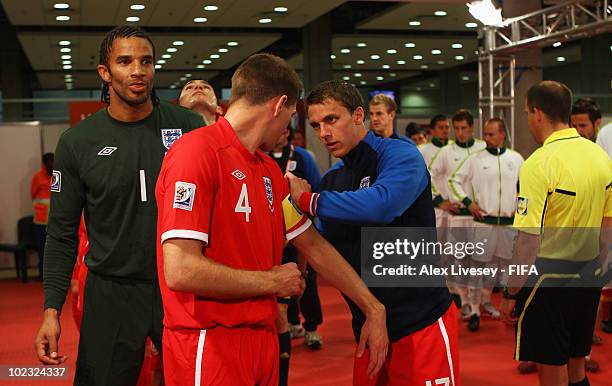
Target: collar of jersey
(467, 144)
(562, 134)
(233, 140)
(496, 150)
(439, 143)
(355, 153)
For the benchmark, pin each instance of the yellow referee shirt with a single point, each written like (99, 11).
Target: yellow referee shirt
(567, 183)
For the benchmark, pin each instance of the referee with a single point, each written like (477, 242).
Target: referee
(564, 184)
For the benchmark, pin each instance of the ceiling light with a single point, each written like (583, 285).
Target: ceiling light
(560, 58)
(393, 74)
(188, 75)
(345, 51)
(62, 18)
(409, 45)
(161, 61)
(362, 82)
(357, 75)
(61, 6)
(392, 51)
(207, 61)
(65, 50)
(66, 57)
(211, 8)
(557, 44)
(200, 20)
(401, 62)
(332, 56)
(436, 52)
(66, 62)
(440, 62)
(424, 66)
(374, 57)
(380, 78)
(158, 66)
(346, 78)
(360, 61)
(417, 57)
(177, 43)
(471, 25)
(215, 56)
(232, 44)
(64, 42)
(166, 56)
(172, 86)
(386, 66)
(361, 45)
(281, 9)
(67, 67)
(265, 20)
(182, 78)
(459, 57)
(137, 7)
(132, 19)
(68, 76)
(200, 66)
(432, 85)
(440, 13)
(485, 11)
(172, 49)
(457, 45)
(418, 89)
(223, 50)
(347, 66)
(465, 77)
(414, 23)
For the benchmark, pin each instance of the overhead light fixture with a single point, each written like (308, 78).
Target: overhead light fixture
(414, 23)
(459, 57)
(456, 45)
(158, 66)
(61, 6)
(386, 66)
(432, 85)
(345, 51)
(171, 49)
(66, 57)
(363, 82)
(137, 7)
(200, 66)
(465, 77)
(207, 61)
(417, 57)
(64, 42)
(172, 86)
(358, 75)
(65, 50)
(132, 19)
(166, 56)
(418, 89)
(66, 61)
(200, 20)
(68, 76)
(471, 25)
(361, 44)
(374, 57)
(347, 66)
(177, 43)
(182, 78)
(161, 61)
(400, 62)
(215, 56)
(557, 44)
(440, 62)
(380, 78)
(440, 13)
(393, 74)
(436, 52)
(211, 8)
(561, 59)
(424, 66)
(332, 56)
(346, 78)
(67, 67)
(360, 61)
(232, 44)
(188, 75)
(392, 51)
(281, 9)
(223, 50)
(409, 45)
(485, 12)
(62, 18)
(265, 20)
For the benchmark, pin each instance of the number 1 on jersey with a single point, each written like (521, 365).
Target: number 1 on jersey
(242, 206)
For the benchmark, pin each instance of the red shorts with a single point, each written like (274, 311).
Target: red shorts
(428, 357)
(221, 356)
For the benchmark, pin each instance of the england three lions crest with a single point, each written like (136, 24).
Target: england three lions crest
(269, 194)
(169, 136)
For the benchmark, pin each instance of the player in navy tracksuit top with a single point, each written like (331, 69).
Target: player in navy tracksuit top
(381, 182)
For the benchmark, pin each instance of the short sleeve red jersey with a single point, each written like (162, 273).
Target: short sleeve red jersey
(212, 189)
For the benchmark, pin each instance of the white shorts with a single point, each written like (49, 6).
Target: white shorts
(497, 240)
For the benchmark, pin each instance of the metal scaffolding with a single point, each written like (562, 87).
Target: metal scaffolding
(564, 22)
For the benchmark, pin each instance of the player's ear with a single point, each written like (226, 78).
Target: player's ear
(359, 115)
(278, 104)
(104, 73)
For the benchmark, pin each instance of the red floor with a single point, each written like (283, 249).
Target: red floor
(485, 356)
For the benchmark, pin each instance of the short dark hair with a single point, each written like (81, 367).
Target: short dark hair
(552, 98)
(437, 118)
(500, 122)
(191, 80)
(413, 128)
(587, 106)
(338, 90)
(262, 77)
(123, 32)
(463, 115)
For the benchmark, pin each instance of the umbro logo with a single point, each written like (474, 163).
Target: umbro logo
(238, 174)
(108, 150)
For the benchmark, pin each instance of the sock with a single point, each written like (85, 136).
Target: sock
(284, 342)
(463, 294)
(584, 382)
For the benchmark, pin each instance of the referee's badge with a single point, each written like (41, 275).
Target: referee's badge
(268, 185)
(169, 136)
(521, 205)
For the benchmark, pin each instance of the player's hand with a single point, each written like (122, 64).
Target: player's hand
(287, 280)
(506, 309)
(297, 186)
(476, 211)
(449, 207)
(374, 336)
(46, 343)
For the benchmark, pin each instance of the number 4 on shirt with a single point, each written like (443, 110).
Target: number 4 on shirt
(242, 206)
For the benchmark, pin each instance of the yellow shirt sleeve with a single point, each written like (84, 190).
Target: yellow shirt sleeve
(532, 198)
(608, 205)
(296, 222)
